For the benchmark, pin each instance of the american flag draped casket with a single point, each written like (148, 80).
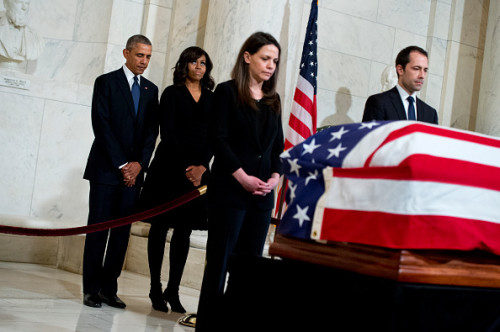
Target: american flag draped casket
(395, 184)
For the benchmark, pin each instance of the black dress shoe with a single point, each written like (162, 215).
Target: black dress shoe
(91, 300)
(172, 298)
(158, 302)
(112, 301)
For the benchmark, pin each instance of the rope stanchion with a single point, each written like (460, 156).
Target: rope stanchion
(107, 224)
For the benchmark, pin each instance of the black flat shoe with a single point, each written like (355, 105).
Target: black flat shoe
(112, 301)
(91, 300)
(158, 302)
(173, 300)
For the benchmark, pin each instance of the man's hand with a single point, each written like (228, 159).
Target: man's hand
(130, 172)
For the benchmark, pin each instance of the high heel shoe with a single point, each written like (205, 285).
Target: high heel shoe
(158, 302)
(172, 298)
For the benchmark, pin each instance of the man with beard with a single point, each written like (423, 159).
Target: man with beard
(18, 41)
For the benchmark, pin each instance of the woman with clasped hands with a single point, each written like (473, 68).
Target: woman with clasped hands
(180, 165)
(247, 139)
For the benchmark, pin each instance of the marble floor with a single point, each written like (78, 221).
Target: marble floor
(43, 298)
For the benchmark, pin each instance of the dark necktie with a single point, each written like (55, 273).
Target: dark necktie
(411, 109)
(136, 93)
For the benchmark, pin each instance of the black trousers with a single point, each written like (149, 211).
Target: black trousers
(230, 231)
(105, 251)
(179, 250)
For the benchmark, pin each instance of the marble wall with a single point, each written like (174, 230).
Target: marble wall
(46, 131)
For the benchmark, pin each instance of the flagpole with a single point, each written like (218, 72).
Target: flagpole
(302, 121)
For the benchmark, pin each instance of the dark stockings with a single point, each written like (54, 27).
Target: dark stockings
(179, 249)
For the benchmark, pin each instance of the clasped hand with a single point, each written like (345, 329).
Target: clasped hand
(255, 185)
(130, 172)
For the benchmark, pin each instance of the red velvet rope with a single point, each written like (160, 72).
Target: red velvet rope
(104, 225)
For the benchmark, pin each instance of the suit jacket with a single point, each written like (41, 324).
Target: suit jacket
(120, 135)
(389, 106)
(236, 144)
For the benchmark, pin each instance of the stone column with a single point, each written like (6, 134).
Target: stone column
(488, 119)
(230, 23)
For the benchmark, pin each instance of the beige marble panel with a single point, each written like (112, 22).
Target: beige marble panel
(433, 89)
(461, 85)
(358, 8)
(126, 20)
(28, 249)
(156, 26)
(20, 127)
(70, 253)
(375, 78)
(469, 21)
(408, 15)
(92, 21)
(488, 121)
(439, 24)
(60, 192)
(437, 55)
(69, 61)
(229, 24)
(355, 36)
(189, 19)
(339, 107)
(341, 70)
(54, 19)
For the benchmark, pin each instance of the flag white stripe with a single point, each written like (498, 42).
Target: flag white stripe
(394, 152)
(294, 137)
(411, 198)
(302, 114)
(358, 155)
(306, 87)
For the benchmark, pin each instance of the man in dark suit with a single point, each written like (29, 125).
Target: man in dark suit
(401, 102)
(124, 120)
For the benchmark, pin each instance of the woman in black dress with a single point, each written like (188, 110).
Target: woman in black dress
(247, 138)
(180, 165)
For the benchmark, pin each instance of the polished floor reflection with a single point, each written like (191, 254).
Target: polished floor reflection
(43, 298)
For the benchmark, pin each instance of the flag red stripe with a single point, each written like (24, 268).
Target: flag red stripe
(409, 231)
(303, 100)
(314, 115)
(299, 126)
(430, 168)
(438, 131)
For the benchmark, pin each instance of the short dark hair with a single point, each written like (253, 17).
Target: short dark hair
(135, 39)
(404, 55)
(190, 54)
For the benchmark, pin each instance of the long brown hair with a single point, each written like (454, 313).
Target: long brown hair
(241, 74)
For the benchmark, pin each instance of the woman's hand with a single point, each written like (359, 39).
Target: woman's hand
(255, 185)
(194, 174)
(271, 183)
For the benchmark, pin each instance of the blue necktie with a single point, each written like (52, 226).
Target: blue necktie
(411, 109)
(136, 93)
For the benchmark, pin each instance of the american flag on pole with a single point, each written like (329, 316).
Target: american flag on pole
(302, 121)
(400, 184)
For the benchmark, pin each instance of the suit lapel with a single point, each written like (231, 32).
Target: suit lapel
(125, 88)
(420, 110)
(397, 103)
